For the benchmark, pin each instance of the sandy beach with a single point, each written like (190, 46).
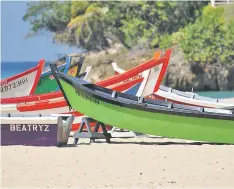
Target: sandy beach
(142, 162)
(134, 162)
(112, 61)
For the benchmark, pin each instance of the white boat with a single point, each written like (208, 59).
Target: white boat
(187, 98)
(22, 84)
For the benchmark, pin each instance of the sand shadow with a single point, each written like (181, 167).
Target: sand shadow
(164, 143)
(160, 143)
(67, 146)
(73, 145)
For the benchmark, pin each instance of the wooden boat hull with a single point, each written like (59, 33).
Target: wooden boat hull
(129, 84)
(58, 104)
(22, 84)
(122, 82)
(187, 98)
(59, 107)
(31, 98)
(190, 99)
(38, 97)
(47, 82)
(146, 118)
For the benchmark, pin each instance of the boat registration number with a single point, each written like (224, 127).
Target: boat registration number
(7, 87)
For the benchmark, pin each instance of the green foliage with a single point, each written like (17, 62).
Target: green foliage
(87, 25)
(205, 34)
(228, 11)
(95, 25)
(78, 8)
(150, 20)
(49, 16)
(209, 39)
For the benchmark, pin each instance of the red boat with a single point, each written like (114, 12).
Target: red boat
(187, 98)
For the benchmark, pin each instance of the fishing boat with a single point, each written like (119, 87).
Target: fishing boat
(128, 84)
(58, 105)
(31, 98)
(180, 97)
(153, 117)
(47, 86)
(128, 81)
(22, 84)
(47, 82)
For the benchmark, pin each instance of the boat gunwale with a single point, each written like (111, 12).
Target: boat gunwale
(37, 68)
(185, 96)
(41, 65)
(132, 72)
(44, 96)
(138, 69)
(85, 88)
(48, 72)
(51, 95)
(66, 65)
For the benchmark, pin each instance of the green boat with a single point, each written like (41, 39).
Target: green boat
(47, 82)
(147, 116)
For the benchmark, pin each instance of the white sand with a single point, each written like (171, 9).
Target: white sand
(136, 162)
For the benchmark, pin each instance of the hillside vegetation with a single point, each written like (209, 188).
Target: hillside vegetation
(98, 25)
(128, 32)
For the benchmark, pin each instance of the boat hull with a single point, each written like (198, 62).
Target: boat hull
(48, 84)
(187, 98)
(22, 84)
(45, 108)
(59, 105)
(162, 95)
(154, 123)
(122, 82)
(31, 98)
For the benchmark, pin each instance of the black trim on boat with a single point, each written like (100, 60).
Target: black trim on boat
(81, 75)
(133, 102)
(55, 73)
(80, 63)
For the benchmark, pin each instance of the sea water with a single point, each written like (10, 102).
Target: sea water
(217, 94)
(9, 69)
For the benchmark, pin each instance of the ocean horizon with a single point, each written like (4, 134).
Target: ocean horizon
(10, 68)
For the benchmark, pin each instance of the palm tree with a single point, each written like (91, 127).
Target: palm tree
(87, 24)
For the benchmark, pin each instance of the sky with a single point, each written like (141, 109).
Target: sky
(14, 46)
